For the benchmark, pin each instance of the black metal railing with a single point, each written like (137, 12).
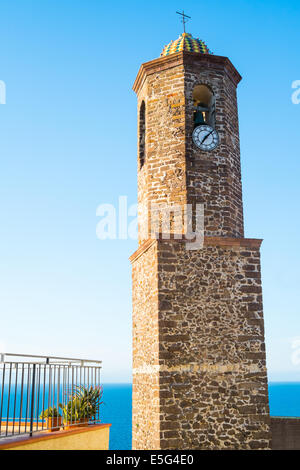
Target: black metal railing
(43, 393)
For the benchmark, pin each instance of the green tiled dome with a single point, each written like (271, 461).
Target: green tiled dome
(185, 42)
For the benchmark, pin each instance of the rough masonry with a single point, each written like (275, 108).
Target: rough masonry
(199, 364)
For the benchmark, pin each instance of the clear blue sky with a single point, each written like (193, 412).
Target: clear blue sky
(68, 144)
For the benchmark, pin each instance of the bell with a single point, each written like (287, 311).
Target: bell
(198, 118)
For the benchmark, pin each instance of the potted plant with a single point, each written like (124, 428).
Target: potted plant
(90, 399)
(72, 412)
(54, 419)
(83, 406)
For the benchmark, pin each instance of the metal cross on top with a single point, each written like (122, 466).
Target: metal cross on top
(184, 20)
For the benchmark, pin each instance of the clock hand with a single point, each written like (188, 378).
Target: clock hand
(207, 135)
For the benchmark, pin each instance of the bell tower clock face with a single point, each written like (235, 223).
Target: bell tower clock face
(205, 137)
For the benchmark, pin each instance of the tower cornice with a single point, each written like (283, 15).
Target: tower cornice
(185, 58)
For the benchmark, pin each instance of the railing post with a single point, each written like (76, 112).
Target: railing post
(32, 399)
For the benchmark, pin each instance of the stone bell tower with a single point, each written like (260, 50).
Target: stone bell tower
(199, 364)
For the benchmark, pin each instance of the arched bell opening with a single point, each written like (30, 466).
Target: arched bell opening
(204, 106)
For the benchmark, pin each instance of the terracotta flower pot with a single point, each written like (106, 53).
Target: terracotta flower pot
(54, 423)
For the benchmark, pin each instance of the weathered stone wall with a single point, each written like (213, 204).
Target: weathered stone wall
(175, 171)
(213, 392)
(214, 177)
(145, 393)
(161, 180)
(211, 365)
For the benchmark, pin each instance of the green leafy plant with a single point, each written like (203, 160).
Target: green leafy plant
(90, 399)
(50, 413)
(73, 411)
(84, 403)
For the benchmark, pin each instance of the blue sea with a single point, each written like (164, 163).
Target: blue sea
(284, 401)
(117, 411)
(117, 408)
